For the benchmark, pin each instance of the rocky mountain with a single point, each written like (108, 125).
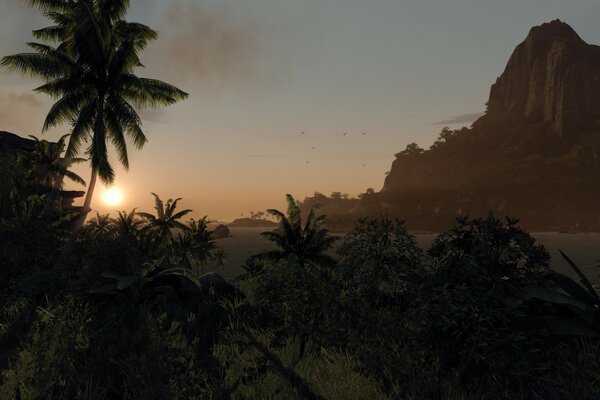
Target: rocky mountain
(534, 155)
(552, 78)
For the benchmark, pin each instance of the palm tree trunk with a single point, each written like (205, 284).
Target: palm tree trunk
(87, 203)
(53, 195)
(70, 246)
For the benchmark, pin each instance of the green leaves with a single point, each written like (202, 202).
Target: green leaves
(308, 244)
(583, 279)
(91, 74)
(166, 218)
(148, 281)
(575, 308)
(552, 296)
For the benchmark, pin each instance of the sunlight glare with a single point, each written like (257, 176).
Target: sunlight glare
(113, 196)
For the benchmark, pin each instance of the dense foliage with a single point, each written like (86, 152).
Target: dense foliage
(128, 312)
(478, 316)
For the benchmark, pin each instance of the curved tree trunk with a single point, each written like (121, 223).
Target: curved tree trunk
(51, 201)
(68, 249)
(85, 210)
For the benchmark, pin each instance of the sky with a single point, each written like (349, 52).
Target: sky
(259, 73)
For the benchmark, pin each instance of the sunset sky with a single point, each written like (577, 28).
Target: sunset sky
(260, 72)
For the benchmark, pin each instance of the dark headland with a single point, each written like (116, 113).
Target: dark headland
(534, 154)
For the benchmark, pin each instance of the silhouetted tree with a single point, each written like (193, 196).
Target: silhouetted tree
(165, 220)
(100, 225)
(44, 164)
(308, 243)
(411, 149)
(91, 73)
(126, 224)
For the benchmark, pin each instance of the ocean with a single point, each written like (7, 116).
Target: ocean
(583, 249)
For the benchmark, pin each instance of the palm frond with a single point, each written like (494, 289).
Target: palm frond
(74, 177)
(159, 206)
(82, 129)
(181, 214)
(35, 65)
(117, 137)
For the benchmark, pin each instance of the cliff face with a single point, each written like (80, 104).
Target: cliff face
(553, 77)
(534, 155)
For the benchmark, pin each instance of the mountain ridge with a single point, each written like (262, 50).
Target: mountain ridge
(534, 155)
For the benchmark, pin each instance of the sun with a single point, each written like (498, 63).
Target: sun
(113, 196)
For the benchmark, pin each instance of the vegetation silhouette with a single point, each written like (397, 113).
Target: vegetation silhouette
(386, 320)
(45, 163)
(479, 315)
(165, 220)
(91, 73)
(126, 224)
(307, 243)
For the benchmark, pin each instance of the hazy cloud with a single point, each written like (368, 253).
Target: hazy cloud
(155, 116)
(460, 119)
(23, 99)
(207, 44)
(18, 110)
(266, 156)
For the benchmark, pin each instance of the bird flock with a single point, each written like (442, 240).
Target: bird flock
(344, 134)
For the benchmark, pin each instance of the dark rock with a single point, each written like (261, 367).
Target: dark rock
(221, 232)
(552, 77)
(534, 155)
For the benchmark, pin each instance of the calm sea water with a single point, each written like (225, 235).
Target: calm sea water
(584, 249)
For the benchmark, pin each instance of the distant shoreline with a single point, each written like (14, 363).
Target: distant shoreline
(419, 232)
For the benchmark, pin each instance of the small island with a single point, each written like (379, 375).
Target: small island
(252, 223)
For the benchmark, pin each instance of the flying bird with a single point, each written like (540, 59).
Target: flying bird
(364, 165)
(314, 147)
(302, 133)
(364, 133)
(307, 161)
(345, 133)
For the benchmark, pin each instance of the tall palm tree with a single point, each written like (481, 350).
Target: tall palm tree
(166, 219)
(91, 75)
(308, 243)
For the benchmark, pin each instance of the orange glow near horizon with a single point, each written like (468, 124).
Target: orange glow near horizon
(112, 196)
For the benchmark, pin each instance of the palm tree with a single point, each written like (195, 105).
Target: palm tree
(194, 246)
(308, 243)
(100, 225)
(91, 75)
(126, 224)
(45, 164)
(165, 220)
(220, 257)
(203, 241)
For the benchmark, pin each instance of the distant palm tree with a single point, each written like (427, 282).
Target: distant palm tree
(202, 239)
(91, 74)
(194, 246)
(220, 258)
(127, 224)
(308, 243)
(100, 225)
(166, 219)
